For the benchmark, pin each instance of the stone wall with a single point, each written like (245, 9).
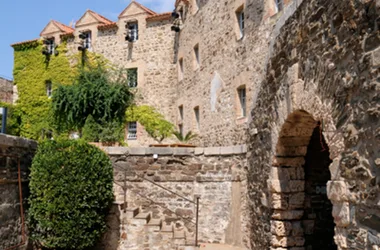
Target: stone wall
(216, 175)
(152, 54)
(6, 90)
(14, 150)
(322, 74)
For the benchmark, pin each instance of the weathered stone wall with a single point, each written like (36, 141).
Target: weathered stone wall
(152, 54)
(6, 90)
(227, 62)
(13, 150)
(216, 175)
(323, 67)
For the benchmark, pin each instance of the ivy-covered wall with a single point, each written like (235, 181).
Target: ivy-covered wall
(31, 71)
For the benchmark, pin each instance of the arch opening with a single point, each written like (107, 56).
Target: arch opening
(302, 213)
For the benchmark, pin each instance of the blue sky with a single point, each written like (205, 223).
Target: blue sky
(22, 20)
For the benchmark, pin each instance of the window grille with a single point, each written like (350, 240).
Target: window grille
(132, 130)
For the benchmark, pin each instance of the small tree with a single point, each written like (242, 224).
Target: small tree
(98, 92)
(154, 122)
(70, 193)
(188, 137)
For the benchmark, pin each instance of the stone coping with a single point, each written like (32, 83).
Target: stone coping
(167, 151)
(14, 141)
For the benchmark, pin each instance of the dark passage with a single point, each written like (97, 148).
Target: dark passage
(318, 221)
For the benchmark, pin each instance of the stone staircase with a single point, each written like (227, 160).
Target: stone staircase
(141, 231)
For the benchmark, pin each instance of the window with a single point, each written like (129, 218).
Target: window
(132, 77)
(182, 14)
(196, 114)
(85, 40)
(180, 110)
(49, 46)
(132, 131)
(279, 5)
(240, 17)
(180, 128)
(133, 32)
(242, 101)
(196, 55)
(49, 89)
(180, 70)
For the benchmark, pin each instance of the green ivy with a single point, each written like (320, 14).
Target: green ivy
(31, 71)
(154, 123)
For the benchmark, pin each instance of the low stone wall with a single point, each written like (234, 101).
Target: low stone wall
(14, 153)
(216, 175)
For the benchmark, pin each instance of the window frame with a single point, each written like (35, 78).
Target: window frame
(132, 131)
(180, 69)
(136, 80)
(242, 96)
(241, 20)
(197, 117)
(197, 61)
(278, 5)
(49, 88)
(133, 32)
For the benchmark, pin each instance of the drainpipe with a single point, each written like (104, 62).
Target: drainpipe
(4, 120)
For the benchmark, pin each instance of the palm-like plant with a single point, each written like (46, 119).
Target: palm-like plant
(188, 137)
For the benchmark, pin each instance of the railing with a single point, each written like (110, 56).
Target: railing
(196, 202)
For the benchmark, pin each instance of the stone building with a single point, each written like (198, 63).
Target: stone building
(297, 82)
(6, 90)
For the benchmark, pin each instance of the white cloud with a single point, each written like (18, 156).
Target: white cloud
(158, 6)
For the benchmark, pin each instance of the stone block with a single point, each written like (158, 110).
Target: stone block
(212, 151)
(198, 151)
(116, 150)
(337, 190)
(228, 150)
(279, 201)
(289, 161)
(287, 173)
(283, 186)
(137, 151)
(290, 151)
(183, 151)
(287, 215)
(297, 229)
(341, 214)
(281, 228)
(283, 241)
(159, 151)
(296, 200)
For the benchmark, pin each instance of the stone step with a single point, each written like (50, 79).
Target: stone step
(132, 212)
(179, 234)
(154, 225)
(141, 218)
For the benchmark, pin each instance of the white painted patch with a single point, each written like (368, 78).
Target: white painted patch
(216, 86)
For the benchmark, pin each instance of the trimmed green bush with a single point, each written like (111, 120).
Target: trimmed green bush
(70, 194)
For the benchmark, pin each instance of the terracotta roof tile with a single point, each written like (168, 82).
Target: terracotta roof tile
(149, 11)
(25, 42)
(63, 27)
(145, 8)
(159, 17)
(107, 26)
(100, 18)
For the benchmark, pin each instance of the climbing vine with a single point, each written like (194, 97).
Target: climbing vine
(31, 72)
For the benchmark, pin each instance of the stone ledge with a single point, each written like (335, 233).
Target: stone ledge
(14, 141)
(167, 151)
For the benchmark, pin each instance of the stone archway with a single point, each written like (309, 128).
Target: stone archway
(302, 214)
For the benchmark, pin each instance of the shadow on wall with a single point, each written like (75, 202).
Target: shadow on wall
(110, 239)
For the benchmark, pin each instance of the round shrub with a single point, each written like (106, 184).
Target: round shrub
(70, 193)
